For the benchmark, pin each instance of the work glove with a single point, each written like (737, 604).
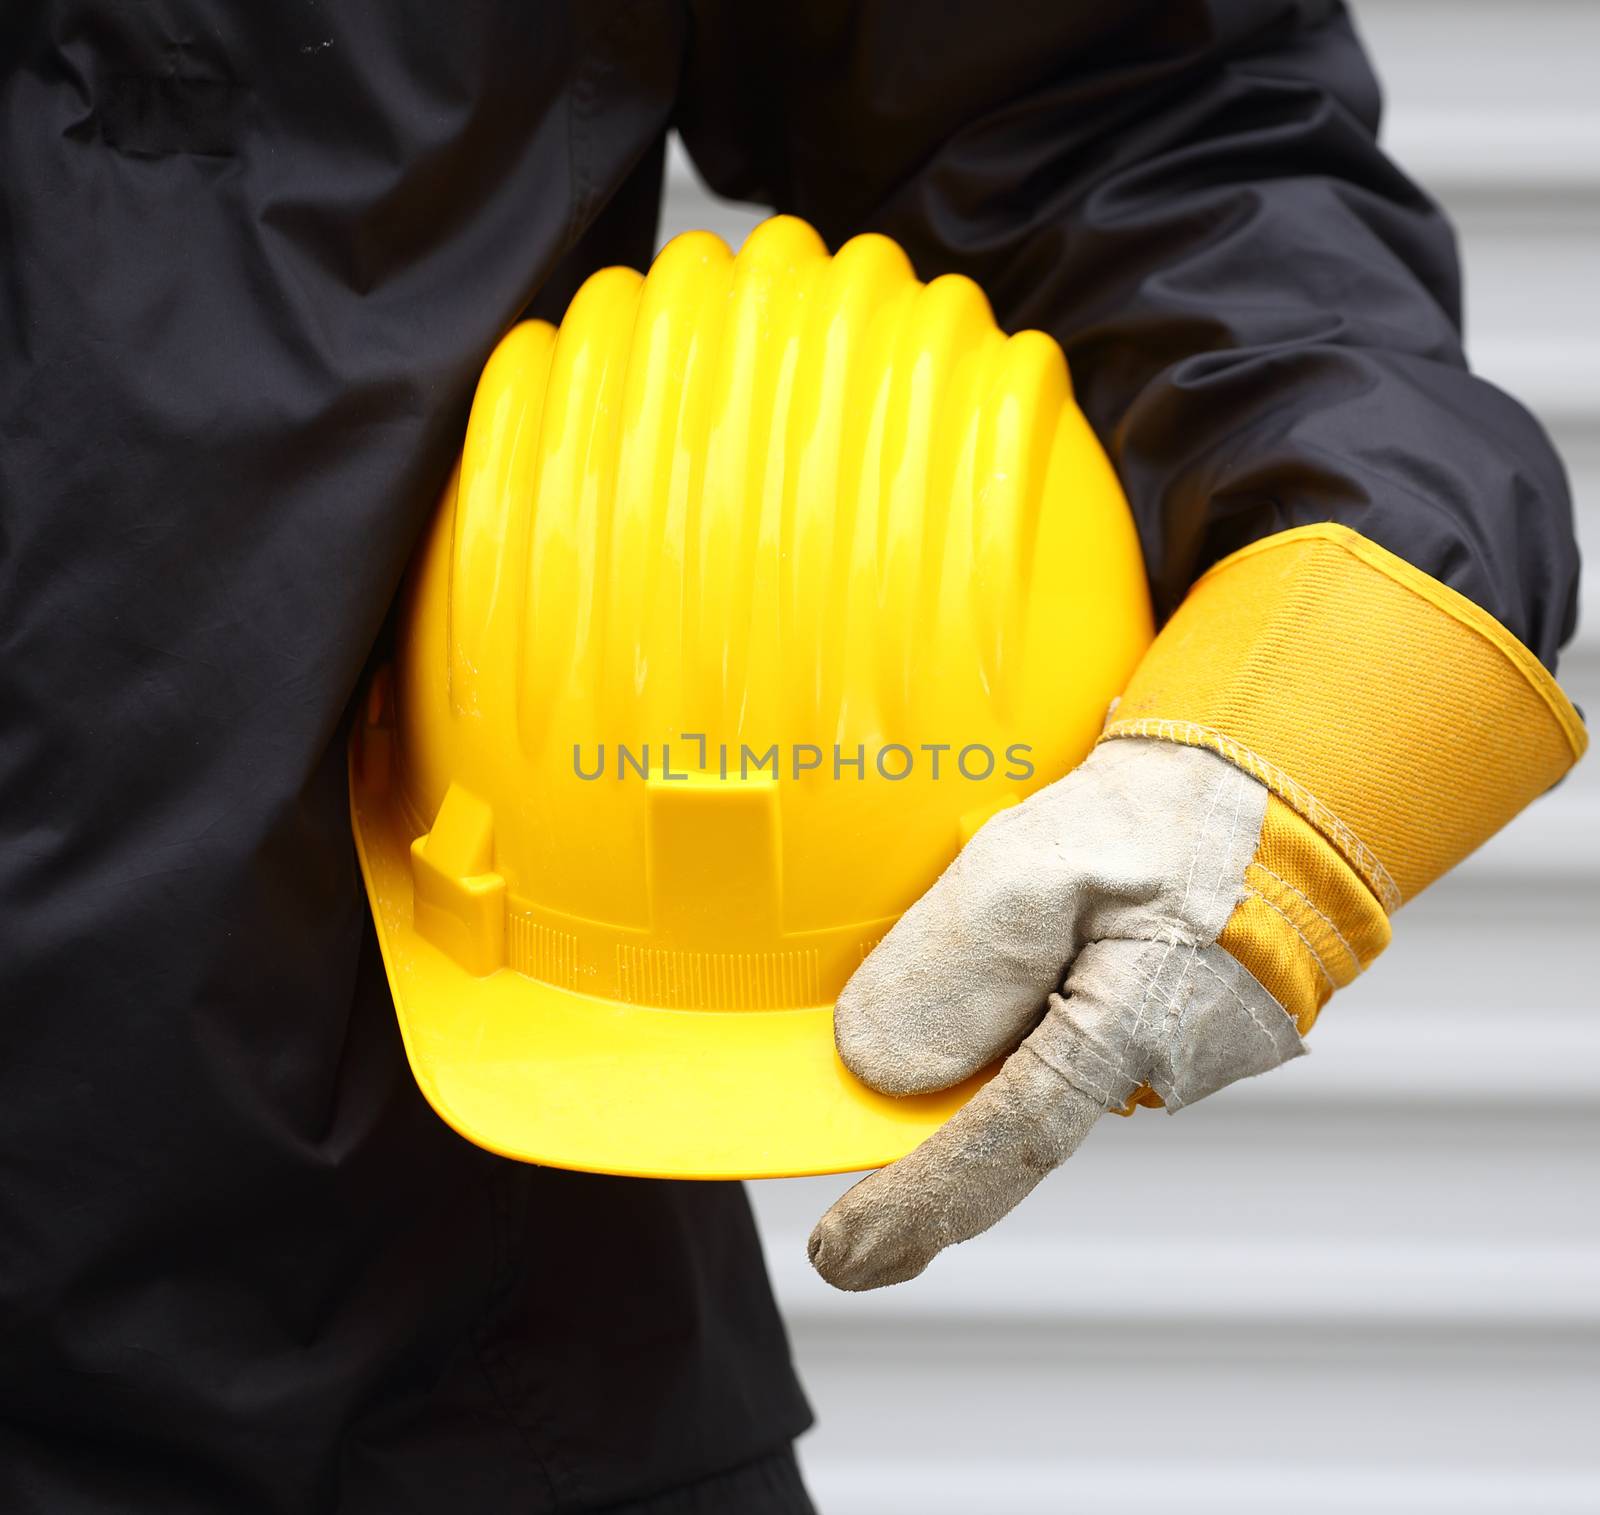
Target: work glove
(1318, 733)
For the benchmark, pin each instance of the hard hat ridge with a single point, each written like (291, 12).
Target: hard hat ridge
(768, 502)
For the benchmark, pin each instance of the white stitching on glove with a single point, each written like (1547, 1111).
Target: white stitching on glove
(1119, 877)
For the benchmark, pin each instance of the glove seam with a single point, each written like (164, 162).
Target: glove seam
(1140, 1020)
(1153, 1075)
(1100, 1096)
(1204, 835)
(1305, 941)
(1305, 900)
(1243, 1004)
(1191, 734)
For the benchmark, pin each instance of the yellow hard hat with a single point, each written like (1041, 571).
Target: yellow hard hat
(760, 584)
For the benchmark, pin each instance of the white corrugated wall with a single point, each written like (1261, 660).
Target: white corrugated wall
(1370, 1280)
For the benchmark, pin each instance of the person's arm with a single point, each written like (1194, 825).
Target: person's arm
(1362, 554)
(1260, 311)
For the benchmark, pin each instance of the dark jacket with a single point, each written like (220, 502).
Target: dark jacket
(252, 259)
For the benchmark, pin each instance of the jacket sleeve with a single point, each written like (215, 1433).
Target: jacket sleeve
(1261, 312)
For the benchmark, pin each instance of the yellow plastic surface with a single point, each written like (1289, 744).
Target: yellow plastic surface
(778, 499)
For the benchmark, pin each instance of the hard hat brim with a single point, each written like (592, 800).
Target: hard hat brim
(548, 1075)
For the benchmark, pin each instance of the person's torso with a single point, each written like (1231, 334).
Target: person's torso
(251, 262)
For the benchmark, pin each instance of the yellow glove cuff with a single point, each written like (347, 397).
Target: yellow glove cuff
(1397, 724)
(1307, 924)
(1401, 720)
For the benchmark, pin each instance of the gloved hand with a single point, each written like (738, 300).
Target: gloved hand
(1319, 732)
(1127, 870)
